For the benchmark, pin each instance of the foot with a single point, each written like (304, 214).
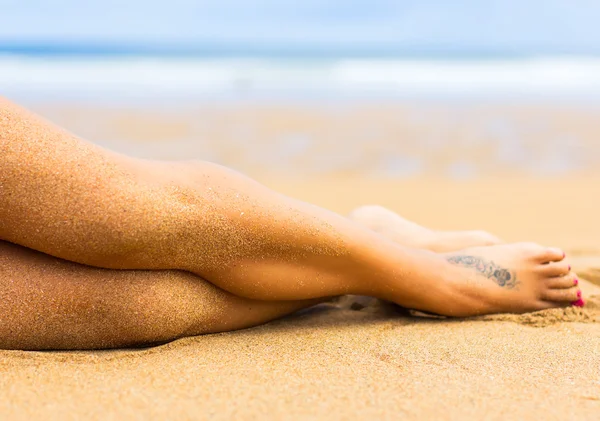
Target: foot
(410, 234)
(510, 278)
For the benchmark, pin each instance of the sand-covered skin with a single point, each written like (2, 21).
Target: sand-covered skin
(339, 363)
(369, 363)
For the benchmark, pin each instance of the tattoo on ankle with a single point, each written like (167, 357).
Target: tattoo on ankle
(503, 277)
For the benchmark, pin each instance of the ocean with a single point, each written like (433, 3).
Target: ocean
(363, 114)
(115, 75)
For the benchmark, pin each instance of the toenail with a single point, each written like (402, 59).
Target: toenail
(579, 294)
(569, 268)
(576, 282)
(578, 303)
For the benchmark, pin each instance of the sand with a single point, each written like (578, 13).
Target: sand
(442, 139)
(362, 361)
(337, 363)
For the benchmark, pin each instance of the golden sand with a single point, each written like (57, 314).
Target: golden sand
(371, 363)
(388, 139)
(367, 360)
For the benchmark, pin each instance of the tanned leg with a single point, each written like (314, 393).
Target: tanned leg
(74, 200)
(50, 303)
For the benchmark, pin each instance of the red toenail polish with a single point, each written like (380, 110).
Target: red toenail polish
(578, 294)
(578, 303)
(569, 268)
(576, 282)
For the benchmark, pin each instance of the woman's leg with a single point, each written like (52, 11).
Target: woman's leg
(82, 307)
(49, 303)
(74, 200)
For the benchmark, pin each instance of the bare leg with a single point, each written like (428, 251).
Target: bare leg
(74, 200)
(49, 303)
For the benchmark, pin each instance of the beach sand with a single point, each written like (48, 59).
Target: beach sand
(346, 360)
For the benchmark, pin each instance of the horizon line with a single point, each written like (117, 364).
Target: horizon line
(232, 49)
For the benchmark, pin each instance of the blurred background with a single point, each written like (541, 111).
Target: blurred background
(354, 88)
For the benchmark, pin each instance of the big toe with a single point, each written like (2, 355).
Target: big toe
(552, 254)
(540, 253)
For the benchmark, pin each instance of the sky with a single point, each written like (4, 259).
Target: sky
(562, 26)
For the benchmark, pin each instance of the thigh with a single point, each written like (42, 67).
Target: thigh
(50, 303)
(67, 197)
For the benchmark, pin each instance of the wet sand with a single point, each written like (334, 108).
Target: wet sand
(367, 361)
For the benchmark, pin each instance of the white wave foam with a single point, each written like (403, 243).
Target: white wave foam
(192, 77)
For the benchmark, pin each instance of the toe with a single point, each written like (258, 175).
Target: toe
(552, 254)
(555, 268)
(562, 295)
(563, 282)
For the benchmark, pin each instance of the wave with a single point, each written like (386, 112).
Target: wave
(196, 77)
